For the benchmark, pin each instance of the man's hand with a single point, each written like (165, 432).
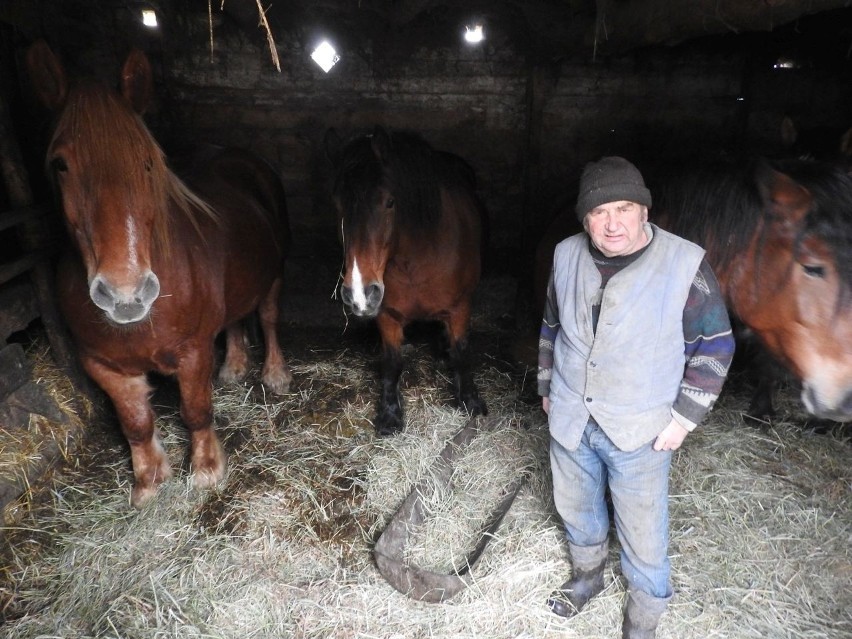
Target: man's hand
(545, 404)
(672, 436)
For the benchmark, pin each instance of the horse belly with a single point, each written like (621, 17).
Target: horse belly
(249, 275)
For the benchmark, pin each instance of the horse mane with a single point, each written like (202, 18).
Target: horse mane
(412, 170)
(719, 207)
(120, 149)
(716, 205)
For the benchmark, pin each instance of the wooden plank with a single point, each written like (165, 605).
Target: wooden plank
(21, 265)
(18, 308)
(21, 215)
(14, 369)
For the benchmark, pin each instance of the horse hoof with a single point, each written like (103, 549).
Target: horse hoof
(141, 495)
(387, 427)
(203, 479)
(474, 406)
(230, 376)
(208, 460)
(278, 383)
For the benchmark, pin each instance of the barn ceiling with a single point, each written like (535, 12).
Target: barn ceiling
(541, 29)
(568, 26)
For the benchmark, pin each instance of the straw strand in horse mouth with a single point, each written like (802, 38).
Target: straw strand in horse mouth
(339, 280)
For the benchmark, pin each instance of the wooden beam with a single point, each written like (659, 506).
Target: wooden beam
(622, 25)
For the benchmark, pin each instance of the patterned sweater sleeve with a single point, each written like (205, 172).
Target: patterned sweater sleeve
(708, 347)
(547, 339)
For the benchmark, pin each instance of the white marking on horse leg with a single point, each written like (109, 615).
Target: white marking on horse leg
(359, 300)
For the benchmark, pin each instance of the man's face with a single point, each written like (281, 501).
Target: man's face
(616, 228)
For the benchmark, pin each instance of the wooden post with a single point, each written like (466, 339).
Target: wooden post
(540, 85)
(34, 236)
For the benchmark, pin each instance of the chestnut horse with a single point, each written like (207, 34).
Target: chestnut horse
(158, 268)
(411, 226)
(779, 238)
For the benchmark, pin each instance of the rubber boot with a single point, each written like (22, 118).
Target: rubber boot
(642, 614)
(575, 593)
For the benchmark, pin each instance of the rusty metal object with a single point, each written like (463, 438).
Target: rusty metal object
(419, 583)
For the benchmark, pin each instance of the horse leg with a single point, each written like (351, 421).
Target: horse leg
(236, 364)
(276, 374)
(761, 405)
(389, 416)
(465, 389)
(768, 374)
(207, 456)
(130, 397)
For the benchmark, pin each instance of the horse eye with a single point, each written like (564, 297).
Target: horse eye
(58, 164)
(814, 270)
(390, 203)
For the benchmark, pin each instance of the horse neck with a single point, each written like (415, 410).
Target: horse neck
(186, 212)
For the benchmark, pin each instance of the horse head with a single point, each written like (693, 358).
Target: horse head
(110, 177)
(388, 194)
(366, 211)
(798, 301)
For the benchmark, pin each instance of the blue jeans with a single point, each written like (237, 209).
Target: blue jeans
(639, 485)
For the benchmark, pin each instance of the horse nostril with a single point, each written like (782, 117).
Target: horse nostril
(101, 293)
(374, 294)
(346, 294)
(149, 290)
(102, 290)
(847, 407)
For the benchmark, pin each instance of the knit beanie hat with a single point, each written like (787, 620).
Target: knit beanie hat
(611, 179)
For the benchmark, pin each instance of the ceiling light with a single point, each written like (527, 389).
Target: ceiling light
(786, 63)
(474, 34)
(325, 56)
(149, 18)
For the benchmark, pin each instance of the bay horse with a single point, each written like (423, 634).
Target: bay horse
(778, 235)
(158, 265)
(411, 227)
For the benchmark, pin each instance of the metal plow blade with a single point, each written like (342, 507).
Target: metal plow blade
(419, 583)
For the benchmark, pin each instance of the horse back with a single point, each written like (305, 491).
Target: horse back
(460, 232)
(236, 183)
(250, 237)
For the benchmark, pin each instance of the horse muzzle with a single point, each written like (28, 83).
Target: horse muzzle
(834, 406)
(363, 301)
(122, 306)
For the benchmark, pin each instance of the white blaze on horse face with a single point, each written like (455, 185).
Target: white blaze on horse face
(132, 242)
(125, 288)
(125, 273)
(359, 299)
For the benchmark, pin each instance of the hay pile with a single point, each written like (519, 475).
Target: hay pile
(761, 521)
(33, 447)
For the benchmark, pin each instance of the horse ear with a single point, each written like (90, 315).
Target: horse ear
(333, 145)
(846, 143)
(786, 201)
(789, 134)
(380, 142)
(137, 83)
(47, 74)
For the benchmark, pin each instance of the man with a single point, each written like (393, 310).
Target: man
(635, 347)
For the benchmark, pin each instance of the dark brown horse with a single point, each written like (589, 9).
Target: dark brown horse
(411, 227)
(779, 238)
(159, 265)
